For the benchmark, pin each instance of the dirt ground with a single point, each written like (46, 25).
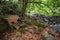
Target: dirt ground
(32, 32)
(29, 34)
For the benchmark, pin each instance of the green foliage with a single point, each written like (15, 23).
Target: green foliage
(7, 6)
(36, 22)
(22, 28)
(45, 7)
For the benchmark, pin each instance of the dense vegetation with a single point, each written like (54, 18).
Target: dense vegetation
(46, 7)
(50, 8)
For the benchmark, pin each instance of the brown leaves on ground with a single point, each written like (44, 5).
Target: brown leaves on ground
(26, 35)
(29, 34)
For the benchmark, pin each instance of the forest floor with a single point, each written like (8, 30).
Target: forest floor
(32, 33)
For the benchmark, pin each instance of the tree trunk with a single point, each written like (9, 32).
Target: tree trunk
(24, 5)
